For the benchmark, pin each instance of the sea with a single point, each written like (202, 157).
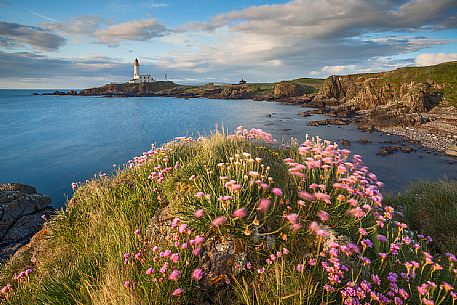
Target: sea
(51, 141)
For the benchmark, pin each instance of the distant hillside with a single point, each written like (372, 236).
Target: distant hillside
(416, 88)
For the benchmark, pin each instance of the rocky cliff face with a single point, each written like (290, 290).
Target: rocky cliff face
(288, 89)
(374, 91)
(22, 210)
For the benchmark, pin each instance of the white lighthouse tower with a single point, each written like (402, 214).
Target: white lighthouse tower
(136, 69)
(137, 78)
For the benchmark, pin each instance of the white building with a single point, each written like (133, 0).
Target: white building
(137, 78)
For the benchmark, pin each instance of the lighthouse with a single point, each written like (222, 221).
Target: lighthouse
(136, 69)
(137, 78)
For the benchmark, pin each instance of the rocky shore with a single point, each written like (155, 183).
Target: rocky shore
(22, 213)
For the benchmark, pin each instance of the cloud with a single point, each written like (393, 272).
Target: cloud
(81, 25)
(303, 36)
(428, 59)
(140, 30)
(15, 34)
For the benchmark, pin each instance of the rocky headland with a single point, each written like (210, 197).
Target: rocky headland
(22, 213)
(418, 103)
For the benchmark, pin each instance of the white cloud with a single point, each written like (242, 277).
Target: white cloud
(428, 59)
(139, 30)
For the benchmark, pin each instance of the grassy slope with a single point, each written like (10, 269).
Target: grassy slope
(78, 259)
(431, 207)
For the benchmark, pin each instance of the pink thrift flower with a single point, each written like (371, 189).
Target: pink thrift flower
(184, 246)
(199, 213)
(323, 215)
(197, 274)
(174, 275)
(196, 251)
(174, 257)
(219, 221)
(182, 228)
(177, 292)
(299, 268)
(264, 204)
(199, 240)
(200, 194)
(277, 191)
(239, 213)
(126, 284)
(149, 271)
(322, 197)
(248, 265)
(137, 232)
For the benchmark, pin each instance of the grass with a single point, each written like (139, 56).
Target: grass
(430, 207)
(230, 219)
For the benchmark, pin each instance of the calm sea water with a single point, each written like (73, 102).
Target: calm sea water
(51, 141)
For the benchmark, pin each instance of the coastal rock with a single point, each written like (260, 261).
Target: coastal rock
(388, 150)
(451, 151)
(288, 89)
(345, 142)
(21, 211)
(329, 122)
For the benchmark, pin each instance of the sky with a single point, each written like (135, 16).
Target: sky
(86, 43)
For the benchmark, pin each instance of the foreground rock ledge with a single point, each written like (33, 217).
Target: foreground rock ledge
(21, 216)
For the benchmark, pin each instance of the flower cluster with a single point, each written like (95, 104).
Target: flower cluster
(7, 291)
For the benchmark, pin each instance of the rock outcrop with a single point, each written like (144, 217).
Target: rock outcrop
(22, 210)
(288, 89)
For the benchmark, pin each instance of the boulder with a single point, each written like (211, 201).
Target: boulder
(452, 151)
(22, 210)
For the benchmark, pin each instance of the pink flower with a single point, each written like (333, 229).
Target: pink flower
(264, 204)
(306, 196)
(323, 215)
(199, 240)
(196, 251)
(200, 194)
(292, 218)
(184, 246)
(155, 248)
(149, 271)
(277, 191)
(137, 232)
(174, 275)
(178, 292)
(174, 257)
(248, 265)
(299, 268)
(239, 213)
(126, 284)
(322, 197)
(219, 221)
(182, 228)
(197, 274)
(261, 270)
(199, 213)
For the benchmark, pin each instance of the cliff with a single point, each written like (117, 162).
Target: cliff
(412, 89)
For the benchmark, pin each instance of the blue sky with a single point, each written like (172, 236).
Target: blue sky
(81, 43)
